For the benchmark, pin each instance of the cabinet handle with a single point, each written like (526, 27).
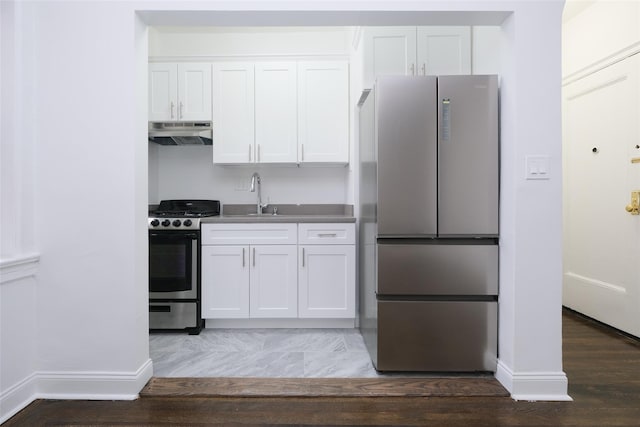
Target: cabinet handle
(413, 69)
(243, 263)
(249, 152)
(303, 257)
(302, 149)
(327, 234)
(172, 106)
(254, 257)
(258, 153)
(424, 69)
(181, 110)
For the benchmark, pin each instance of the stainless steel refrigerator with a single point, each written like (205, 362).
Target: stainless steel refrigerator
(429, 191)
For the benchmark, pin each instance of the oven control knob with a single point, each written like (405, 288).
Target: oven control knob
(187, 223)
(155, 223)
(176, 223)
(166, 223)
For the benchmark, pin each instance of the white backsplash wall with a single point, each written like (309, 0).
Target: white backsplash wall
(188, 172)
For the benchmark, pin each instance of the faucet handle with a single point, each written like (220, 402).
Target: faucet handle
(275, 210)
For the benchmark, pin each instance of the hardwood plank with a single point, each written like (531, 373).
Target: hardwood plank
(324, 387)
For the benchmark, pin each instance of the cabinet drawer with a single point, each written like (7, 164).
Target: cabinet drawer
(249, 234)
(326, 234)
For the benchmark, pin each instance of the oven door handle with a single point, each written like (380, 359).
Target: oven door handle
(193, 236)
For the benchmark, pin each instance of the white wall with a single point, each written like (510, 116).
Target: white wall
(91, 325)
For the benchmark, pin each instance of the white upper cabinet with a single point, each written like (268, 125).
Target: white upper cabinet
(410, 51)
(275, 112)
(233, 112)
(179, 92)
(281, 112)
(323, 111)
(443, 50)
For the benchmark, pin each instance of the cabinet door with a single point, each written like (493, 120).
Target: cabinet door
(327, 277)
(225, 282)
(233, 112)
(276, 136)
(274, 281)
(444, 50)
(163, 92)
(194, 91)
(388, 51)
(323, 112)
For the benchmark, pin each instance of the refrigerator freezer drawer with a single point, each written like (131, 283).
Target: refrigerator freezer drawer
(437, 336)
(437, 269)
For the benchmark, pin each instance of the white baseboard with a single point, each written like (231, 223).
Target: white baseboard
(74, 386)
(18, 397)
(534, 386)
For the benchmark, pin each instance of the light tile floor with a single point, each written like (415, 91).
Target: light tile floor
(272, 353)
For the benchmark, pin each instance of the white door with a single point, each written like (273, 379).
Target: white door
(323, 111)
(163, 92)
(225, 282)
(276, 112)
(602, 240)
(274, 281)
(444, 50)
(233, 112)
(388, 51)
(194, 91)
(327, 281)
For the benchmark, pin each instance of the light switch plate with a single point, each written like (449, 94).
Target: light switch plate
(538, 167)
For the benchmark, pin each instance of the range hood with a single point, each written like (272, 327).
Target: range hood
(181, 133)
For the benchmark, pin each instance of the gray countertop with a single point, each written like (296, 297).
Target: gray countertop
(322, 213)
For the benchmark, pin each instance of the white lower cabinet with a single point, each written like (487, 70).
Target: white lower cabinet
(327, 276)
(264, 271)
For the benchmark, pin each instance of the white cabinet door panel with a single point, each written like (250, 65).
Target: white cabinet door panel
(323, 111)
(389, 51)
(233, 113)
(274, 281)
(327, 281)
(194, 90)
(276, 127)
(444, 50)
(163, 92)
(225, 282)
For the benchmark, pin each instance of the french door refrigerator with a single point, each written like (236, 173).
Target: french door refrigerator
(429, 183)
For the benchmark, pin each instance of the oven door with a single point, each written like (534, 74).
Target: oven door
(173, 264)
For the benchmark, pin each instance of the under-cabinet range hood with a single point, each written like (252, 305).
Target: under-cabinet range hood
(181, 133)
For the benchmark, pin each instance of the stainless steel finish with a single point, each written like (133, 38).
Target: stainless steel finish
(195, 223)
(327, 234)
(255, 187)
(193, 292)
(303, 256)
(243, 263)
(254, 256)
(437, 269)
(407, 169)
(174, 315)
(181, 133)
(468, 172)
(436, 336)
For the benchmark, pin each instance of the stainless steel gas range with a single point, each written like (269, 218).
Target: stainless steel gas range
(174, 264)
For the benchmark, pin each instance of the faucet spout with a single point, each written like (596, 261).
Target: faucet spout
(255, 187)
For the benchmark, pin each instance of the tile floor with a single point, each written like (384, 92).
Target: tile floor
(273, 353)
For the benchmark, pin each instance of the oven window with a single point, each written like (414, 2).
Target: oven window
(170, 264)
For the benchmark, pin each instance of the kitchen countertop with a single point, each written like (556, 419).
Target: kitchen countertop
(319, 213)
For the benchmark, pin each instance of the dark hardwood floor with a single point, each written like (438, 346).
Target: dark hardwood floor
(603, 367)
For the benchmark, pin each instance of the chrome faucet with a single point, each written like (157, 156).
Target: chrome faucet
(255, 183)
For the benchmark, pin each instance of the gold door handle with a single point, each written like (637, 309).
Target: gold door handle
(634, 207)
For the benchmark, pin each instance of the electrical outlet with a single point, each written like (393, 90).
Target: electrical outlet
(538, 167)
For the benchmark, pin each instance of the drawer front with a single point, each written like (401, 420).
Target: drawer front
(249, 234)
(433, 269)
(327, 234)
